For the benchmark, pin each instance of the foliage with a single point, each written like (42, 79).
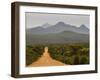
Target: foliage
(72, 54)
(33, 53)
(84, 60)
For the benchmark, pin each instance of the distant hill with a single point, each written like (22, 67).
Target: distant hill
(58, 33)
(62, 37)
(59, 27)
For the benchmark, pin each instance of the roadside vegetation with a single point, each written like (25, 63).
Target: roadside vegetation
(72, 54)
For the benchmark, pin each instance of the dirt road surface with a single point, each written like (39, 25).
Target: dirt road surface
(46, 60)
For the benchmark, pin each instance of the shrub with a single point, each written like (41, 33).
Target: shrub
(68, 60)
(84, 60)
(84, 51)
(67, 53)
(33, 53)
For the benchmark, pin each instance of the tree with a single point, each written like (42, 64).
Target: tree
(84, 60)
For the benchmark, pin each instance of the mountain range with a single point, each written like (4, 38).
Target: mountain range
(58, 33)
(58, 27)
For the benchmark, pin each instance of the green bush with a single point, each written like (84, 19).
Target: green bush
(84, 51)
(84, 60)
(73, 54)
(69, 53)
(33, 53)
(68, 60)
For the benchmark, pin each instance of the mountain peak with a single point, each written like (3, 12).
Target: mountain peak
(61, 23)
(58, 27)
(83, 26)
